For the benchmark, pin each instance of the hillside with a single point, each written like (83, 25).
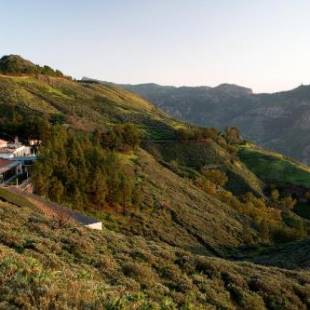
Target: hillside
(275, 168)
(278, 121)
(88, 106)
(84, 105)
(177, 202)
(44, 265)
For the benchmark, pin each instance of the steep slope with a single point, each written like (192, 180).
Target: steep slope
(88, 105)
(44, 264)
(179, 213)
(279, 121)
(84, 105)
(274, 168)
(200, 203)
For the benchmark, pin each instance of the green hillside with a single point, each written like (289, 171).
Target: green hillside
(278, 121)
(45, 265)
(177, 202)
(274, 168)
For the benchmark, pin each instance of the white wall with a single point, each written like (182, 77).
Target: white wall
(96, 226)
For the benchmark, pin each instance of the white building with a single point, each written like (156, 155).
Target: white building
(12, 150)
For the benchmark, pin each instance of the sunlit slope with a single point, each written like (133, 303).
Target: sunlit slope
(274, 168)
(85, 105)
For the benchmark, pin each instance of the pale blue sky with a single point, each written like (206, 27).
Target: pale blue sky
(262, 44)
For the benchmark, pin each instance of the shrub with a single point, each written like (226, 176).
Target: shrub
(141, 273)
(215, 176)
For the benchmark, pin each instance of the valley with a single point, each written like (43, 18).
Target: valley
(278, 121)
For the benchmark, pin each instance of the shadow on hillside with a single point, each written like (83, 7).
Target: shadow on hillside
(291, 255)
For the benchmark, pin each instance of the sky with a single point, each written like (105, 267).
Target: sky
(261, 44)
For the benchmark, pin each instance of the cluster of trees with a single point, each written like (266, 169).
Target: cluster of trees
(74, 168)
(273, 218)
(284, 202)
(196, 134)
(14, 64)
(14, 121)
(270, 220)
(199, 134)
(121, 137)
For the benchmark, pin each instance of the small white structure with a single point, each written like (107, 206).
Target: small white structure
(95, 225)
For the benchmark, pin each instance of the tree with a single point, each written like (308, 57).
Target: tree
(275, 195)
(233, 135)
(56, 190)
(264, 230)
(288, 202)
(99, 189)
(216, 176)
(206, 185)
(131, 135)
(57, 119)
(126, 188)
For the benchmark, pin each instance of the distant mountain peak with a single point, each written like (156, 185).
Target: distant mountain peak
(233, 89)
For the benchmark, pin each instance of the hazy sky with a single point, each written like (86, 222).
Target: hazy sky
(262, 44)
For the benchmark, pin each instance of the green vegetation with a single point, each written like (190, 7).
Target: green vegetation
(277, 121)
(74, 168)
(14, 64)
(17, 200)
(176, 202)
(15, 121)
(44, 267)
(273, 168)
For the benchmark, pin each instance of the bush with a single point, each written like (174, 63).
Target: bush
(215, 176)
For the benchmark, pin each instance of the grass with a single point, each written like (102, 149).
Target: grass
(274, 168)
(15, 199)
(160, 255)
(74, 268)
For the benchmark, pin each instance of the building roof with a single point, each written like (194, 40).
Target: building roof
(6, 165)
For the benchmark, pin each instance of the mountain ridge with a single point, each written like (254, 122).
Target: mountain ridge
(278, 120)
